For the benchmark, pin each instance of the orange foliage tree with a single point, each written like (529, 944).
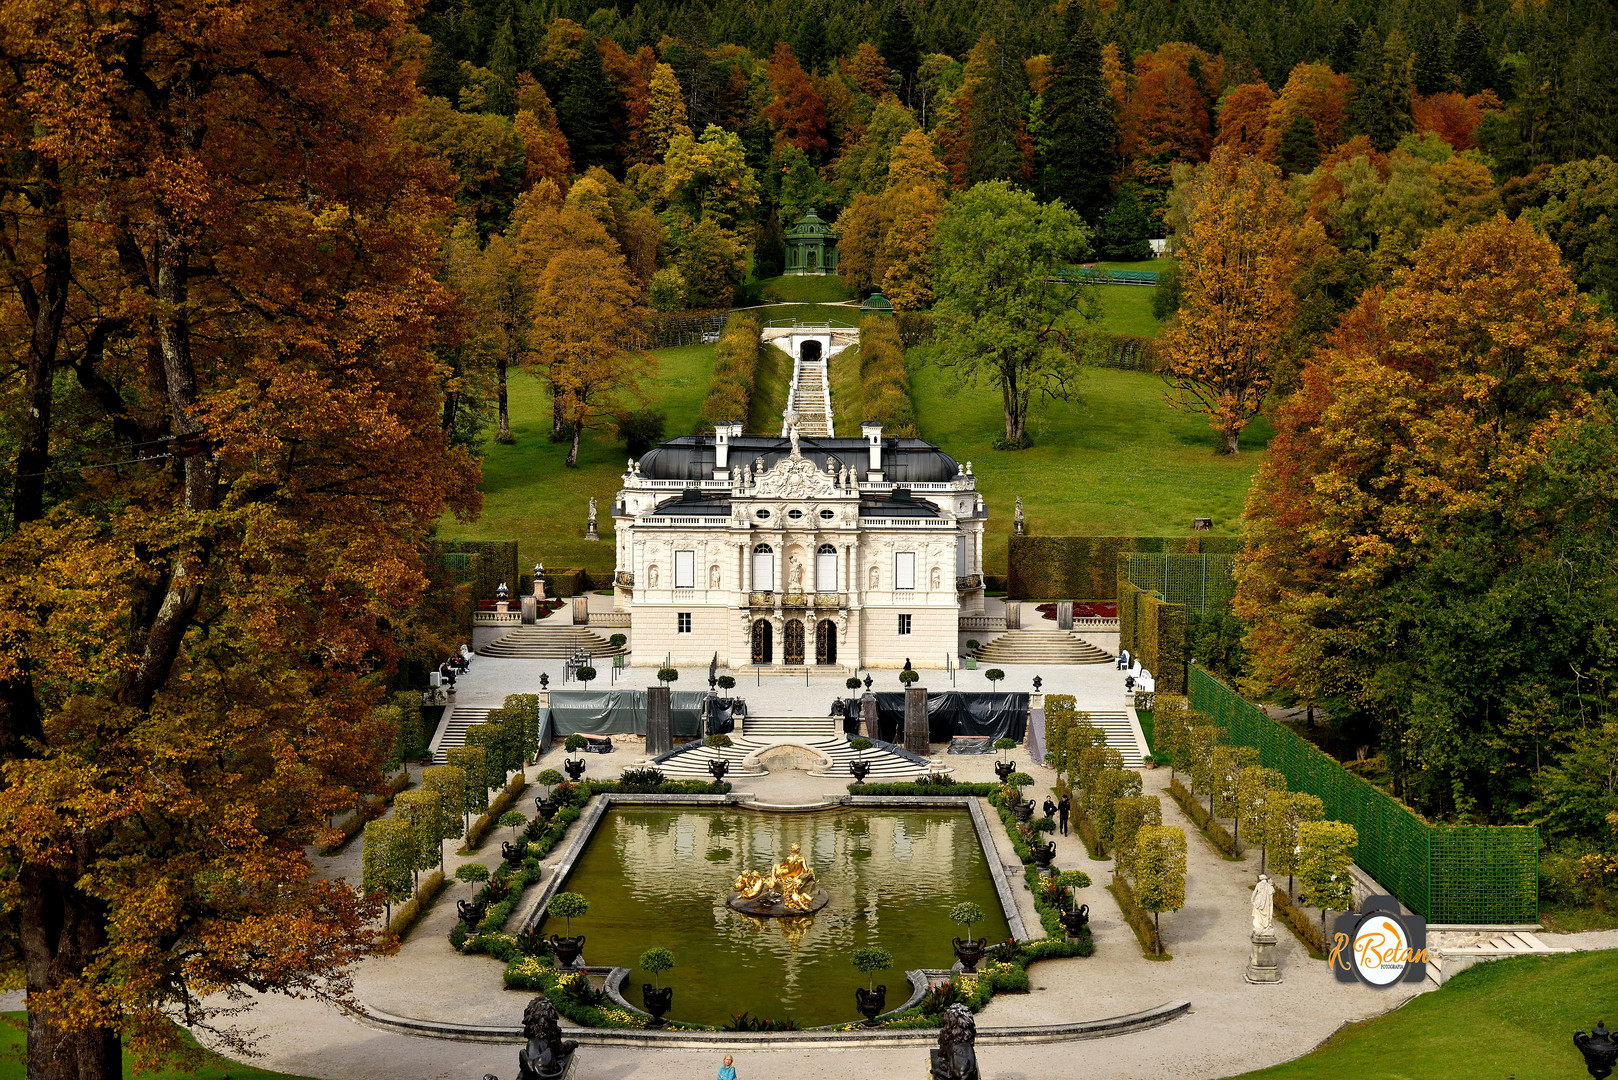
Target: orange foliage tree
(222, 259)
(1166, 117)
(1451, 117)
(1321, 95)
(1244, 116)
(543, 144)
(1236, 235)
(796, 108)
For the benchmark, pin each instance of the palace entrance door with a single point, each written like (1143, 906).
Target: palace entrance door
(825, 642)
(763, 642)
(793, 652)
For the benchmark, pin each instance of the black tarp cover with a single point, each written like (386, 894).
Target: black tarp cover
(621, 712)
(955, 712)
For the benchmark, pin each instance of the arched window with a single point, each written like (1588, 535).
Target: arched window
(826, 568)
(763, 568)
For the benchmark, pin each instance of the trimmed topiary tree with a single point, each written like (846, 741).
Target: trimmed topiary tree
(861, 743)
(852, 682)
(1003, 744)
(726, 682)
(1160, 873)
(667, 675)
(569, 906)
(654, 962)
(585, 675)
(1325, 850)
(967, 913)
(908, 677)
(994, 675)
(513, 820)
(871, 960)
(718, 742)
(472, 872)
(575, 743)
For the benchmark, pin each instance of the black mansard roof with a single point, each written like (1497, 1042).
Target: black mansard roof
(904, 461)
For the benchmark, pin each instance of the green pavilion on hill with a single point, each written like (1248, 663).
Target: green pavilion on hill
(811, 246)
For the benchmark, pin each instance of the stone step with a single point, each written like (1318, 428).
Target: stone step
(549, 643)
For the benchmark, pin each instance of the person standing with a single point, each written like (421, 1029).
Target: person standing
(1062, 810)
(727, 1071)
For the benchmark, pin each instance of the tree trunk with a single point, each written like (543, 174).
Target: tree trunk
(60, 932)
(1233, 438)
(45, 308)
(505, 417)
(557, 426)
(573, 452)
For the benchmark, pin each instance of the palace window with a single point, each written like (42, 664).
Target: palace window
(826, 568)
(763, 568)
(826, 515)
(795, 515)
(685, 569)
(904, 570)
(904, 625)
(683, 622)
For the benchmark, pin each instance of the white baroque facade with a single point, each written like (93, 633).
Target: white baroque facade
(787, 552)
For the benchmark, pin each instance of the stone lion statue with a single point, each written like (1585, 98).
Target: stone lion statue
(956, 1057)
(546, 1055)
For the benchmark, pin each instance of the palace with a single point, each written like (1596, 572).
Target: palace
(786, 551)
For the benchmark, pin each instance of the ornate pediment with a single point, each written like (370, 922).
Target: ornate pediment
(796, 478)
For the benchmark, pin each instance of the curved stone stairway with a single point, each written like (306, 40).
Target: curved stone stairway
(548, 643)
(1038, 645)
(761, 734)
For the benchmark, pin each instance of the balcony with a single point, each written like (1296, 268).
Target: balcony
(761, 599)
(831, 600)
(626, 578)
(964, 582)
(795, 600)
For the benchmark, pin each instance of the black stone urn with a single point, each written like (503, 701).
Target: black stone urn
(1004, 769)
(575, 768)
(871, 1003)
(970, 952)
(546, 807)
(566, 949)
(471, 912)
(1043, 854)
(859, 769)
(1599, 1050)
(718, 767)
(1023, 811)
(657, 1002)
(512, 853)
(1077, 921)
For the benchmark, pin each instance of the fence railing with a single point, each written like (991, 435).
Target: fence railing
(982, 622)
(609, 618)
(1193, 580)
(1448, 873)
(496, 618)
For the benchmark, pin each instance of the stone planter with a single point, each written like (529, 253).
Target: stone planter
(970, 952)
(1023, 811)
(1004, 769)
(1077, 921)
(567, 950)
(1043, 854)
(574, 768)
(471, 914)
(657, 1003)
(859, 769)
(718, 768)
(871, 1003)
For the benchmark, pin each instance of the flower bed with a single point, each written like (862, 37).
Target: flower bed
(951, 788)
(1083, 609)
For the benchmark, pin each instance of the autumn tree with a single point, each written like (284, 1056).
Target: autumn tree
(544, 147)
(997, 146)
(1244, 115)
(234, 290)
(586, 313)
(796, 108)
(1078, 144)
(1436, 475)
(1318, 93)
(666, 118)
(1004, 307)
(1237, 238)
(496, 281)
(1299, 151)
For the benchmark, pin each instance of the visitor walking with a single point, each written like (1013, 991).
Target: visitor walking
(1049, 807)
(1062, 810)
(727, 1071)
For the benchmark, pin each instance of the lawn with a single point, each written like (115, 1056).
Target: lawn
(817, 313)
(771, 382)
(1506, 1018)
(1117, 460)
(1154, 265)
(807, 289)
(847, 392)
(14, 1041)
(1126, 309)
(530, 496)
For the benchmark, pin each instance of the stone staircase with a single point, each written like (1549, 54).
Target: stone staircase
(1120, 728)
(811, 400)
(1038, 645)
(452, 732)
(548, 643)
(1456, 948)
(819, 734)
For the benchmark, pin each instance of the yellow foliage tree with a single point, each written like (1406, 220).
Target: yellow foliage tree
(666, 119)
(1238, 239)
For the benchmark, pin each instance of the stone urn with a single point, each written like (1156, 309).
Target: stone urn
(470, 911)
(1043, 854)
(970, 952)
(859, 769)
(544, 807)
(1024, 810)
(574, 768)
(871, 1003)
(1004, 769)
(657, 1003)
(1077, 921)
(567, 949)
(512, 853)
(718, 767)
(1599, 1050)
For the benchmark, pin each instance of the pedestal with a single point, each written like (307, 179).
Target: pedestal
(1013, 615)
(581, 609)
(502, 606)
(1064, 615)
(1261, 963)
(530, 610)
(916, 729)
(659, 736)
(539, 588)
(590, 533)
(869, 726)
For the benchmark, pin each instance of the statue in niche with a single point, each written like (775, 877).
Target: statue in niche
(651, 576)
(713, 577)
(938, 579)
(797, 578)
(874, 578)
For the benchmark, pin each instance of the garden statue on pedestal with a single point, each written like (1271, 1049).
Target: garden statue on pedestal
(547, 1056)
(1016, 519)
(956, 1057)
(1261, 963)
(590, 532)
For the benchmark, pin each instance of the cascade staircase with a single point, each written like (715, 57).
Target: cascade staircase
(1120, 728)
(1038, 645)
(811, 399)
(549, 643)
(821, 734)
(452, 732)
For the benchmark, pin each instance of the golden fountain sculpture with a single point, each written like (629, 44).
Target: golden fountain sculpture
(790, 888)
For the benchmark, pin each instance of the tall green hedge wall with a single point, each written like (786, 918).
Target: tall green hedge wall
(1154, 634)
(488, 563)
(1086, 567)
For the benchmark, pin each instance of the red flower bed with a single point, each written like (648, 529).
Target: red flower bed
(1084, 609)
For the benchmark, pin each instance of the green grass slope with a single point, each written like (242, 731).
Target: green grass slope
(847, 392)
(1126, 309)
(771, 384)
(14, 1041)
(1504, 1019)
(529, 495)
(1116, 461)
(808, 289)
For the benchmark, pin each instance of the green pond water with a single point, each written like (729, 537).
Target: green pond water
(659, 876)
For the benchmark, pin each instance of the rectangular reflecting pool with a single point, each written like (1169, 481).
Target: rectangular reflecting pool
(660, 876)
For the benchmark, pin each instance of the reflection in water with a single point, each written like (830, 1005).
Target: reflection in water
(658, 876)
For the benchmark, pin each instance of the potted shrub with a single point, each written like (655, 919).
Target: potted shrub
(513, 820)
(726, 682)
(584, 675)
(852, 682)
(1076, 917)
(970, 951)
(909, 676)
(659, 999)
(575, 765)
(1046, 852)
(859, 766)
(471, 911)
(617, 641)
(568, 906)
(1005, 766)
(667, 675)
(873, 999)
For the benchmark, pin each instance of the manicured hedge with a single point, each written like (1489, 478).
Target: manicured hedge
(1086, 567)
(924, 789)
(486, 822)
(1217, 834)
(1154, 634)
(735, 367)
(1137, 918)
(884, 379)
(411, 911)
(482, 564)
